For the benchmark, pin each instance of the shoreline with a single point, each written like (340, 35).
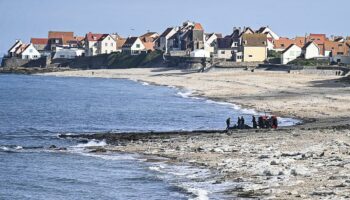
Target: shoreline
(287, 163)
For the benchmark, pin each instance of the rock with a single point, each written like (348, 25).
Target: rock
(322, 193)
(217, 150)
(62, 149)
(273, 162)
(98, 150)
(290, 154)
(263, 156)
(293, 172)
(267, 172)
(53, 147)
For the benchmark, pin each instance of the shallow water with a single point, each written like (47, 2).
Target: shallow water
(35, 109)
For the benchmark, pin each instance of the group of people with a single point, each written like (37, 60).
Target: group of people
(263, 122)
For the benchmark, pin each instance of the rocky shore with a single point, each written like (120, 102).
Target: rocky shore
(308, 161)
(305, 162)
(31, 70)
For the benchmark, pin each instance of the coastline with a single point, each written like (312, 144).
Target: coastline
(288, 163)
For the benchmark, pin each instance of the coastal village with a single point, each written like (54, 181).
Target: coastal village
(306, 157)
(244, 46)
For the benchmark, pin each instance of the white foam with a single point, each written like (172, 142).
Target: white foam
(144, 83)
(18, 147)
(92, 143)
(199, 193)
(185, 94)
(4, 148)
(111, 156)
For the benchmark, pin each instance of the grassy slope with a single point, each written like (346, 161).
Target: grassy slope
(127, 61)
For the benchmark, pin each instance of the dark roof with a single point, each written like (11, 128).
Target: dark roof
(218, 35)
(103, 36)
(166, 32)
(261, 30)
(130, 41)
(15, 44)
(307, 45)
(255, 40)
(224, 43)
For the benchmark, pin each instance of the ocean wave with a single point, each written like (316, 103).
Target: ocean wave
(92, 143)
(110, 156)
(196, 182)
(10, 148)
(185, 94)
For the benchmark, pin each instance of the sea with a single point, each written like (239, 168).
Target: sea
(34, 110)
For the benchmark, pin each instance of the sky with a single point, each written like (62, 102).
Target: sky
(23, 19)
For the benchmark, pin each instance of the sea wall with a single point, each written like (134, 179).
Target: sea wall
(14, 62)
(321, 70)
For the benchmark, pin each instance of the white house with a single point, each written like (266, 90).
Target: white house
(106, 44)
(200, 53)
(68, 53)
(12, 50)
(30, 53)
(210, 43)
(162, 43)
(290, 54)
(96, 44)
(270, 34)
(134, 46)
(311, 50)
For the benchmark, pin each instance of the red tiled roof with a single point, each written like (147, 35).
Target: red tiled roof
(39, 40)
(93, 36)
(197, 26)
(60, 34)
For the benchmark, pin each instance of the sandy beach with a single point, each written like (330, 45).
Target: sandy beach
(304, 96)
(309, 161)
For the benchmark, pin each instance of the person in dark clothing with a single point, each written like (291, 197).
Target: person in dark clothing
(228, 123)
(254, 122)
(274, 122)
(260, 122)
(242, 122)
(239, 123)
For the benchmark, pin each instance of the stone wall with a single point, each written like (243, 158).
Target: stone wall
(18, 62)
(231, 64)
(321, 70)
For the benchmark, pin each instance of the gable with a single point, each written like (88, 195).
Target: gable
(138, 41)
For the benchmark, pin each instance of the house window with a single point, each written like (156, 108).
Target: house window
(250, 56)
(235, 44)
(282, 45)
(35, 56)
(340, 45)
(106, 51)
(106, 44)
(340, 53)
(95, 44)
(111, 44)
(137, 45)
(61, 56)
(31, 50)
(57, 41)
(222, 52)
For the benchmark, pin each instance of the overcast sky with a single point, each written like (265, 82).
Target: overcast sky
(24, 19)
